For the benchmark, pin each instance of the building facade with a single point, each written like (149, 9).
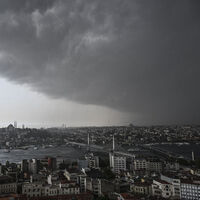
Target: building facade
(117, 163)
(190, 189)
(7, 185)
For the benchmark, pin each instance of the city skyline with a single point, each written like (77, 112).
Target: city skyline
(66, 112)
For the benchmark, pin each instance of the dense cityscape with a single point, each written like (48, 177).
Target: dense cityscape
(117, 163)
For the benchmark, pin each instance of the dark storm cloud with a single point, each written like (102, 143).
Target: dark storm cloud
(136, 56)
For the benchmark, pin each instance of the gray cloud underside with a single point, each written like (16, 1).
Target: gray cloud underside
(136, 56)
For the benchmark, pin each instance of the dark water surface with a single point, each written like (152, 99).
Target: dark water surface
(73, 153)
(183, 149)
(18, 155)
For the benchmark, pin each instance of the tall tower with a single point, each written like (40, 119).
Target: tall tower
(113, 143)
(15, 124)
(193, 156)
(117, 162)
(112, 155)
(88, 142)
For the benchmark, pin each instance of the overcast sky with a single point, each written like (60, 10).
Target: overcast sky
(99, 62)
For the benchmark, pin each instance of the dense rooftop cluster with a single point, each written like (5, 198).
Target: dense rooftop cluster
(127, 167)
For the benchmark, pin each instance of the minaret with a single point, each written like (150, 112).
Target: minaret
(88, 144)
(15, 124)
(193, 156)
(113, 143)
(112, 155)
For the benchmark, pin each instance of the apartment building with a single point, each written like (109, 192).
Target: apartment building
(190, 189)
(117, 163)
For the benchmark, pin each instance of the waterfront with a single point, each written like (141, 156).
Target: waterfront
(17, 155)
(73, 153)
(182, 149)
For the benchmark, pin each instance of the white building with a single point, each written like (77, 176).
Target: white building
(172, 166)
(93, 161)
(154, 165)
(190, 189)
(7, 185)
(175, 183)
(61, 189)
(82, 182)
(117, 163)
(59, 160)
(147, 164)
(76, 176)
(53, 187)
(142, 188)
(32, 166)
(139, 164)
(51, 190)
(32, 189)
(161, 188)
(94, 185)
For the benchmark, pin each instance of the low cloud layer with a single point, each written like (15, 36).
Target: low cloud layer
(136, 56)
